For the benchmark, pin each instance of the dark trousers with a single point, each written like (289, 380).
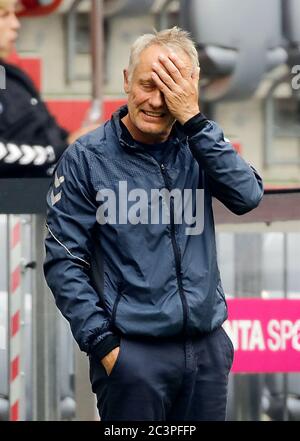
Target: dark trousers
(165, 380)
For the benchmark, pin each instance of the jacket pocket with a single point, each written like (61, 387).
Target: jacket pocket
(118, 359)
(115, 306)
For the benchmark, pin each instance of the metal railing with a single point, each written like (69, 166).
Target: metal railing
(37, 374)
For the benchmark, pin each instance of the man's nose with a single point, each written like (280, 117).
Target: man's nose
(15, 22)
(157, 99)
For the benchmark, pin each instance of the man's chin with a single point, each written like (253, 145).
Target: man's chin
(5, 52)
(155, 131)
(156, 128)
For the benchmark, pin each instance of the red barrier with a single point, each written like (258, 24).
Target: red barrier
(71, 113)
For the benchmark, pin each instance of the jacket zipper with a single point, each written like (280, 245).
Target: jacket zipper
(176, 251)
(175, 247)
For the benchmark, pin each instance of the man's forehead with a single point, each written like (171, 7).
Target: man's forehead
(151, 52)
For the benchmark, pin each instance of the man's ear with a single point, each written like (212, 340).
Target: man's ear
(126, 80)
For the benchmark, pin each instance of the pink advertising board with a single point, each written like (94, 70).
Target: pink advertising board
(265, 334)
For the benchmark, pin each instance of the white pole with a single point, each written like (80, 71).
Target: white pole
(16, 386)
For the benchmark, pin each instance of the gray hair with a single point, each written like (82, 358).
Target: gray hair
(174, 38)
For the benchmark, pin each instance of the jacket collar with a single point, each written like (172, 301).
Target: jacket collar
(176, 137)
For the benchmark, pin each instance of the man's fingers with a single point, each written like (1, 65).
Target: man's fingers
(164, 76)
(171, 68)
(160, 84)
(196, 73)
(184, 70)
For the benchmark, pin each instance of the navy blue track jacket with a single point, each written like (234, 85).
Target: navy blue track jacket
(141, 277)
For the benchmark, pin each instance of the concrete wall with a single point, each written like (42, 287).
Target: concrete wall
(45, 37)
(123, 33)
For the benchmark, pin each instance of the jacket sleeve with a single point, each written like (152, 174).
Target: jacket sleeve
(71, 219)
(24, 157)
(230, 178)
(31, 140)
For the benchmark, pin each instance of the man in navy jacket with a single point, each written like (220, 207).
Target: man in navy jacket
(131, 254)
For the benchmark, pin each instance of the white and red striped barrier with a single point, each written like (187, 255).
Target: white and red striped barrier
(15, 314)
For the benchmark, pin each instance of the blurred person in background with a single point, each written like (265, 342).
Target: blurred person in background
(144, 297)
(31, 141)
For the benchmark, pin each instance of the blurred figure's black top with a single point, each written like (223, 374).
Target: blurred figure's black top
(31, 141)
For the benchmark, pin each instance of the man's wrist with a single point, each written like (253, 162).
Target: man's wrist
(194, 124)
(106, 346)
(187, 117)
